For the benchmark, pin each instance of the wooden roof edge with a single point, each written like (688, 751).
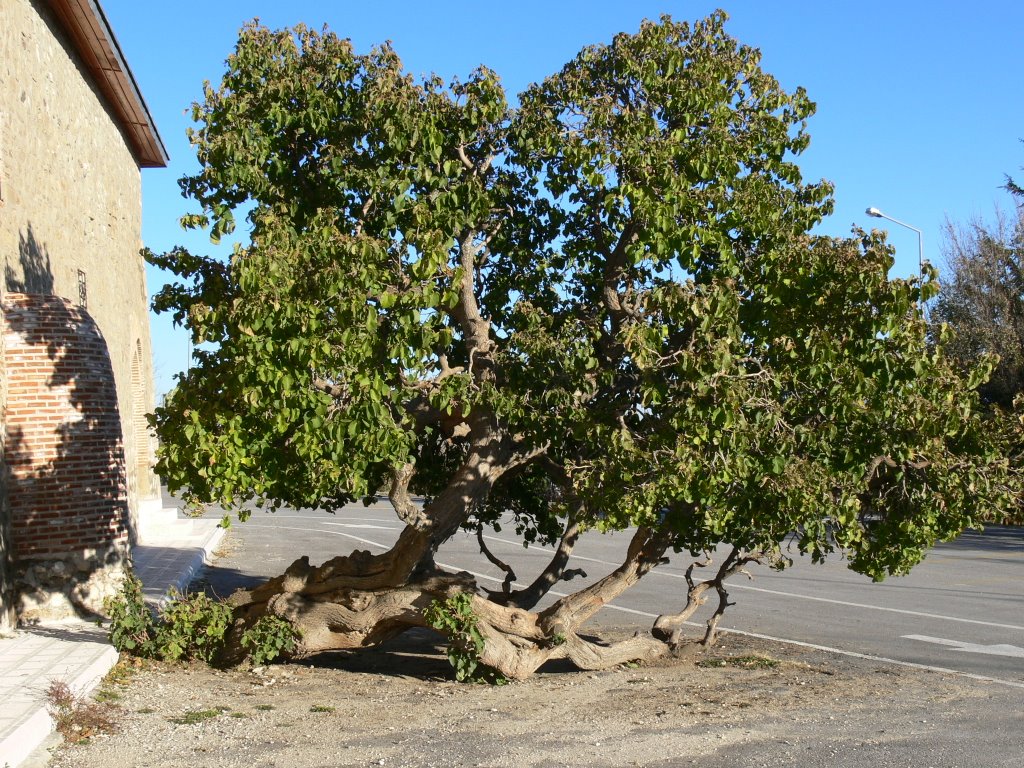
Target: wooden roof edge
(93, 38)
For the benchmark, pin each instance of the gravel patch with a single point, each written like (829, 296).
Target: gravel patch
(744, 703)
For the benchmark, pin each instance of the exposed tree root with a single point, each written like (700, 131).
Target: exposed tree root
(332, 609)
(346, 604)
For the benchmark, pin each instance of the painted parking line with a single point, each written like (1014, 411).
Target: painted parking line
(781, 593)
(1000, 649)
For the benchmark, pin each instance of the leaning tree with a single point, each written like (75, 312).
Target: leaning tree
(598, 308)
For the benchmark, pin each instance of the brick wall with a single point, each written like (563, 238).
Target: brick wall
(67, 481)
(71, 212)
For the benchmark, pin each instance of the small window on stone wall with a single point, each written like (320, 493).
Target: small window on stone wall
(83, 293)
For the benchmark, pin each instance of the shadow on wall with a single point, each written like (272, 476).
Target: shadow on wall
(67, 486)
(36, 273)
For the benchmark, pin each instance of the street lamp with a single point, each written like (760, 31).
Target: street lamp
(920, 236)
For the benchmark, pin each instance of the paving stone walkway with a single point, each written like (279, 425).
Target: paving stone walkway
(77, 652)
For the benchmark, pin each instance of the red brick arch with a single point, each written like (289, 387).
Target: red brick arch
(66, 468)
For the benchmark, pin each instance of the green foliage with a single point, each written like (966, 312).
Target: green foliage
(196, 716)
(608, 294)
(269, 638)
(192, 627)
(187, 627)
(454, 618)
(132, 628)
(982, 302)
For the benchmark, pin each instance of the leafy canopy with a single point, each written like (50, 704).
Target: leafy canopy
(613, 279)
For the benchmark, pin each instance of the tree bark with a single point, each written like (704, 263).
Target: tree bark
(646, 550)
(555, 571)
(344, 605)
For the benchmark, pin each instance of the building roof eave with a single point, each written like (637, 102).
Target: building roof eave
(94, 40)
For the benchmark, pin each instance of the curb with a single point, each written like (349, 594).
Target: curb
(24, 741)
(200, 559)
(20, 743)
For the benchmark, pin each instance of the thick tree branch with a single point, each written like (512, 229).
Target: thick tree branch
(646, 550)
(477, 169)
(510, 575)
(408, 511)
(555, 570)
(475, 328)
(336, 391)
(669, 627)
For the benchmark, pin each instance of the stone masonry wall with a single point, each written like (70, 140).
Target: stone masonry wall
(70, 209)
(66, 467)
(8, 618)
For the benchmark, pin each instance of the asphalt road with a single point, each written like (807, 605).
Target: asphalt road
(962, 610)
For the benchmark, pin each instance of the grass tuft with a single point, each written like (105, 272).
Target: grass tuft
(194, 716)
(744, 662)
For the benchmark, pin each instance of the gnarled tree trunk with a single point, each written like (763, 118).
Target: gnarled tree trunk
(348, 603)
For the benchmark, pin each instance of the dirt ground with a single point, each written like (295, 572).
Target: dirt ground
(743, 703)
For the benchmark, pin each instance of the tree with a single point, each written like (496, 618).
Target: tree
(599, 309)
(982, 301)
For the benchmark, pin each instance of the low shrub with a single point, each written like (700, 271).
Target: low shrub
(192, 627)
(189, 626)
(269, 638)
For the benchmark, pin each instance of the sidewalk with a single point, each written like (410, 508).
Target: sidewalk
(77, 652)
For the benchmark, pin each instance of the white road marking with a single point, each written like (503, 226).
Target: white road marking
(321, 530)
(881, 659)
(748, 588)
(621, 609)
(958, 645)
(329, 517)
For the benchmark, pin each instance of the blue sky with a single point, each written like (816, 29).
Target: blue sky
(920, 104)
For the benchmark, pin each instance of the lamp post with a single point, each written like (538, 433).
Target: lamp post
(920, 236)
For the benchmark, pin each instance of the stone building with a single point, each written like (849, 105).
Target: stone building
(75, 363)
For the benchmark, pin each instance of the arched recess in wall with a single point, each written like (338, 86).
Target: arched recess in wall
(67, 491)
(143, 458)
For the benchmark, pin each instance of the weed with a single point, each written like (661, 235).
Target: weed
(119, 676)
(455, 618)
(264, 707)
(132, 629)
(77, 719)
(188, 627)
(192, 627)
(268, 638)
(121, 673)
(239, 715)
(146, 711)
(745, 662)
(194, 716)
(321, 708)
